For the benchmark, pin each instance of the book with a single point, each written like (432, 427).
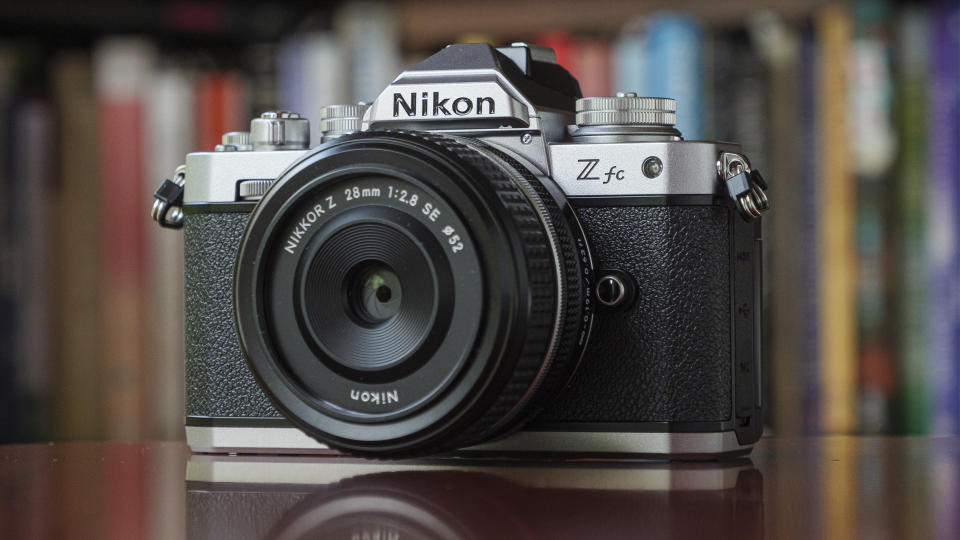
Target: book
(873, 147)
(912, 403)
(370, 34)
(835, 208)
(779, 49)
(943, 223)
(34, 174)
(76, 270)
(11, 420)
(121, 74)
(809, 224)
(662, 56)
(628, 58)
(591, 66)
(222, 104)
(168, 138)
(312, 73)
(26, 175)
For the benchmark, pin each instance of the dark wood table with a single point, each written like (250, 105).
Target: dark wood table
(832, 487)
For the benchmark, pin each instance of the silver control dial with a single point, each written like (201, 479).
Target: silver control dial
(626, 109)
(234, 141)
(280, 130)
(339, 120)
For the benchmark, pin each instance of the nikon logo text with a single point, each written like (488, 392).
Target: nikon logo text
(436, 106)
(375, 398)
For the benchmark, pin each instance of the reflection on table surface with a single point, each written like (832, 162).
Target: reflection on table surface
(837, 487)
(322, 498)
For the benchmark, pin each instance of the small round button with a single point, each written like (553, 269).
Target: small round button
(652, 167)
(611, 290)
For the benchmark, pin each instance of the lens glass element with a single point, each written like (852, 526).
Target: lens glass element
(373, 293)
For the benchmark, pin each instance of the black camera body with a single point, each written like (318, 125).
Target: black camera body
(479, 261)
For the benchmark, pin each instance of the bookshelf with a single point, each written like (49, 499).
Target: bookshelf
(882, 360)
(426, 24)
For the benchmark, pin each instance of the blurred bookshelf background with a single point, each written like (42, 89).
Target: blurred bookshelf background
(850, 110)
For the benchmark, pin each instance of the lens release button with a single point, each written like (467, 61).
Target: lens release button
(611, 291)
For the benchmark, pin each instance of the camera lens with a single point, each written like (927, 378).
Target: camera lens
(373, 293)
(357, 321)
(403, 293)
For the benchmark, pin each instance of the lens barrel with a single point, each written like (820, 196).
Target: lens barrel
(405, 293)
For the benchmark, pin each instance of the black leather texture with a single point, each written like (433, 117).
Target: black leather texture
(666, 357)
(218, 381)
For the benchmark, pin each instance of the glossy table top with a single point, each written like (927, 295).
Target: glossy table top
(834, 487)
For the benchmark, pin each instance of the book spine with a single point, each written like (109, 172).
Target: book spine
(809, 225)
(371, 36)
(76, 273)
(873, 146)
(9, 410)
(222, 104)
(169, 137)
(913, 404)
(781, 53)
(835, 207)
(673, 49)
(324, 68)
(591, 67)
(943, 223)
(121, 73)
(628, 59)
(34, 172)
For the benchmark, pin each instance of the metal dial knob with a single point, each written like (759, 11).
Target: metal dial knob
(280, 130)
(339, 120)
(626, 109)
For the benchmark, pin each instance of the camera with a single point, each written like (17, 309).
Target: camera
(479, 261)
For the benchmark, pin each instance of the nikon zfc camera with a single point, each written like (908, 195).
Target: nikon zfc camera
(479, 260)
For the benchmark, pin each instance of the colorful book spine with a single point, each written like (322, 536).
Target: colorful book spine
(835, 207)
(121, 68)
(943, 223)
(910, 196)
(873, 146)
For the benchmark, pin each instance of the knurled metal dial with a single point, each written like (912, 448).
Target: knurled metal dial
(338, 120)
(626, 109)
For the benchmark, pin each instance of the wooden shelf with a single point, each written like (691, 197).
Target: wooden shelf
(429, 23)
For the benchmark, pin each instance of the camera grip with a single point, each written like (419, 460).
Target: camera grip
(218, 381)
(668, 356)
